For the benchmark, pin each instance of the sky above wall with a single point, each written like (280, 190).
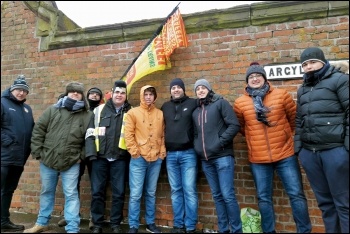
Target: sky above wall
(95, 13)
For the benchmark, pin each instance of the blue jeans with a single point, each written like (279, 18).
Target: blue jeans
(49, 179)
(328, 174)
(143, 177)
(102, 169)
(182, 173)
(220, 173)
(288, 171)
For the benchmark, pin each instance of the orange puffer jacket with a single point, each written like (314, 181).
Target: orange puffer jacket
(268, 144)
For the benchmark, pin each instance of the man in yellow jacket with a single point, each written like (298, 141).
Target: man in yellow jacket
(267, 119)
(144, 138)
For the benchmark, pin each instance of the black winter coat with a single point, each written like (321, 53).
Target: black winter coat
(216, 125)
(322, 120)
(109, 142)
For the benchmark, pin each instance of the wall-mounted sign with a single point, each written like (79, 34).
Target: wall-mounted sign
(288, 71)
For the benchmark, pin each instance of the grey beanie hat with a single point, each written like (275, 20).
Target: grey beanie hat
(20, 83)
(255, 68)
(312, 53)
(203, 82)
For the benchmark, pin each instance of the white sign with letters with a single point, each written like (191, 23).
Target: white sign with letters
(288, 71)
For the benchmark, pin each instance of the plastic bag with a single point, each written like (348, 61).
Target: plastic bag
(251, 220)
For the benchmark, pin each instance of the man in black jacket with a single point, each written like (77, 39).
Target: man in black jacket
(16, 130)
(181, 160)
(322, 137)
(107, 152)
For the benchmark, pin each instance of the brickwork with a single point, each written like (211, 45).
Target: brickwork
(221, 56)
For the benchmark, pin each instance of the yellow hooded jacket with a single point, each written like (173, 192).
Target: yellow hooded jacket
(144, 131)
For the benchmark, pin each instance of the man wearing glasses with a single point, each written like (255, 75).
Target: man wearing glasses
(267, 119)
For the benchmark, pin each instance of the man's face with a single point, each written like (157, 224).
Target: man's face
(176, 92)
(19, 94)
(119, 96)
(94, 96)
(311, 65)
(201, 91)
(149, 97)
(75, 95)
(256, 80)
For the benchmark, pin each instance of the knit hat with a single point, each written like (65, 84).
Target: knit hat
(20, 83)
(255, 68)
(312, 53)
(179, 82)
(75, 87)
(203, 82)
(95, 90)
(120, 84)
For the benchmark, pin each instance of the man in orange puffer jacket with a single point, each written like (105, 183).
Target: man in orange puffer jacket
(267, 118)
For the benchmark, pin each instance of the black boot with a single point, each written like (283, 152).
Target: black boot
(11, 227)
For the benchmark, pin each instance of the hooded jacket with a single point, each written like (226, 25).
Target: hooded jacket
(144, 131)
(267, 144)
(178, 123)
(215, 127)
(16, 130)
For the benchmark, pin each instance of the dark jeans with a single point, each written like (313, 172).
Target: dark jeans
(328, 174)
(10, 176)
(101, 170)
(84, 163)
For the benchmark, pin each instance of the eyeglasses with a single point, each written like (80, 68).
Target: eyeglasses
(256, 76)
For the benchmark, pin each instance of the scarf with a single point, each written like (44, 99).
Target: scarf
(70, 104)
(93, 104)
(258, 96)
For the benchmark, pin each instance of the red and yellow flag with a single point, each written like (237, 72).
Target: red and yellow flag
(156, 56)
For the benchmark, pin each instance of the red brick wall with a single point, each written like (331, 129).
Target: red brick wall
(221, 57)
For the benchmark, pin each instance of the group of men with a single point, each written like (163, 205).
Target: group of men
(120, 143)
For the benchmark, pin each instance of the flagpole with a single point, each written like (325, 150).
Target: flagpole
(154, 35)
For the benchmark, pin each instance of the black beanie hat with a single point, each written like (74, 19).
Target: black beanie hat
(179, 82)
(95, 90)
(255, 68)
(312, 53)
(20, 83)
(120, 84)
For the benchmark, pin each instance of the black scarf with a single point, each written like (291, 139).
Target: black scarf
(258, 96)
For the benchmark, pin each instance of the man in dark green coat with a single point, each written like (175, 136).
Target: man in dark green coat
(58, 142)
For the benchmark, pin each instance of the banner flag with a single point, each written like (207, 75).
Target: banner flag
(156, 55)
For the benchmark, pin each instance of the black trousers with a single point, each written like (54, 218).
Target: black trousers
(10, 176)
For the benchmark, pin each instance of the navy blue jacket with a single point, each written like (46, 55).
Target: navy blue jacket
(16, 130)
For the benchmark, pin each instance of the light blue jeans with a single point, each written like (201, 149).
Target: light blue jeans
(182, 173)
(288, 170)
(49, 179)
(143, 177)
(220, 173)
